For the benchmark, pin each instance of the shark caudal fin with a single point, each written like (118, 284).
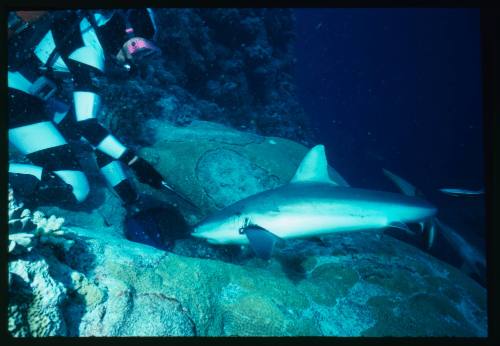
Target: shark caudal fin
(428, 227)
(474, 262)
(314, 168)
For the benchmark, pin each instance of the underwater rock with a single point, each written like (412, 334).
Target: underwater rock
(358, 285)
(42, 314)
(214, 165)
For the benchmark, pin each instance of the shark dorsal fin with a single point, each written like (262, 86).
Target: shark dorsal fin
(314, 167)
(404, 186)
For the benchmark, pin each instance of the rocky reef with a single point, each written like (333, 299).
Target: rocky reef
(232, 66)
(358, 284)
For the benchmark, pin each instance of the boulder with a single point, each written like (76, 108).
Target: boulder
(358, 284)
(213, 165)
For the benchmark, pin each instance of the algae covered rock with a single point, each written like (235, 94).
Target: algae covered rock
(214, 165)
(353, 285)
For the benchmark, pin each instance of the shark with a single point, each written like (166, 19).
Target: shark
(459, 192)
(312, 204)
(472, 258)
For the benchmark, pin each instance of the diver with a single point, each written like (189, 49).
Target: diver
(55, 60)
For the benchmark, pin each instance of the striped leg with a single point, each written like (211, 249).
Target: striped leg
(114, 174)
(83, 55)
(84, 58)
(34, 135)
(38, 184)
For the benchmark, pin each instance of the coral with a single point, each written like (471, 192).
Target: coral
(36, 299)
(232, 66)
(27, 229)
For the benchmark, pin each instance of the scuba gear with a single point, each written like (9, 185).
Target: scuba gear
(147, 174)
(142, 169)
(140, 29)
(139, 22)
(135, 49)
(20, 20)
(171, 189)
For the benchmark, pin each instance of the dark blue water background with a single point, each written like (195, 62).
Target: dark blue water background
(399, 89)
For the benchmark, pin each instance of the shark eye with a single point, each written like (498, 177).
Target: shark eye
(241, 230)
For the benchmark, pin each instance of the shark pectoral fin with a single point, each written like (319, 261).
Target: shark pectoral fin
(430, 233)
(401, 225)
(261, 241)
(421, 224)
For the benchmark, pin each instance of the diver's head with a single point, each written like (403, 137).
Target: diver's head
(140, 33)
(136, 50)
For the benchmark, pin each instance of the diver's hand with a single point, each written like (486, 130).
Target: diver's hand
(146, 173)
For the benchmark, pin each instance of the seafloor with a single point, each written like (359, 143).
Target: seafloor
(96, 282)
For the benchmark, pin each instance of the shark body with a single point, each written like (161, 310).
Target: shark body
(311, 205)
(457, 192)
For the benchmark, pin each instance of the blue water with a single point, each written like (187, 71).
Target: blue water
(399, 89)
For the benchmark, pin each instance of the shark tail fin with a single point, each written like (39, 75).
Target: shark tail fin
(428, 227)
(471, 269)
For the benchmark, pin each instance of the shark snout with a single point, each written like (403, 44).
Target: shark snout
(203, 231)
(197, 234)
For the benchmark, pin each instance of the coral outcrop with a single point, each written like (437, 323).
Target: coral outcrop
(232, 66)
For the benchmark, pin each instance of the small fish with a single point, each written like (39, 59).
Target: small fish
(457, 192)
(320, 24)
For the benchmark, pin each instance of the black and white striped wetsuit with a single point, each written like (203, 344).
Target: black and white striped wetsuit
(71, 45)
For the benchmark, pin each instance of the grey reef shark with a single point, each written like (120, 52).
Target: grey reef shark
(458, 192)
(473, 260)
(316, 202)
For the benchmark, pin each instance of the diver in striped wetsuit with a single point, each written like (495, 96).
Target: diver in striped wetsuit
(54, 62)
